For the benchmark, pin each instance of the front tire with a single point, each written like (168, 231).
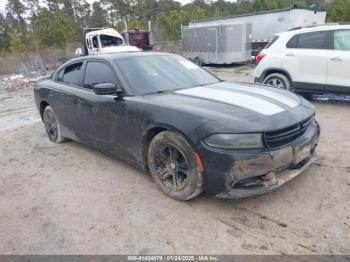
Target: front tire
(52, 126)
(279, 81)
(173, 166)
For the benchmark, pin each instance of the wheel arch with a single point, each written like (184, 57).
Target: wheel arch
(154, 130)
(270, 71)
(43, 105)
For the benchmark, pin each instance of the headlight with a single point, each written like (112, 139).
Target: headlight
(235, 141)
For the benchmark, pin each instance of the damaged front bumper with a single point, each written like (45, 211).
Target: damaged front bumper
(266, 183)
(243, 174)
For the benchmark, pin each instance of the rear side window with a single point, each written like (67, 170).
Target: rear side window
(293, 42)
(314, 40)
(274, 39)
(342, 40)
(97, 73)
(71, 74)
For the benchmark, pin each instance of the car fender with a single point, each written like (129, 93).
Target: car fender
(272, 70)
(164, 126)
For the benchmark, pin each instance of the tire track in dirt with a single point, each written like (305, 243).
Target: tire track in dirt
(269, 231)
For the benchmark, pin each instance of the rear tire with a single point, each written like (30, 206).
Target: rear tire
(278, 80)
(198, 61)
(173, 166)
(52, 126)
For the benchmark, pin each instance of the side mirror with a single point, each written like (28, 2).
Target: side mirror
(106, 89)
(78, 52)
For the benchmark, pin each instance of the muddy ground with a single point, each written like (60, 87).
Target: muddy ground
(70, 199)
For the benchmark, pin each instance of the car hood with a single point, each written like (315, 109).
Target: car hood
(237, 107)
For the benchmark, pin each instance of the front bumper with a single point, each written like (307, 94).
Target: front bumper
(247, 173)
(267, 183)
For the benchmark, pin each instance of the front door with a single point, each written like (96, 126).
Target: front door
(98, 115)
(338, 76)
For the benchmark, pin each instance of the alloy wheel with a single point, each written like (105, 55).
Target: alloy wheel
(50, 123)
(172, 167)
(275, 82)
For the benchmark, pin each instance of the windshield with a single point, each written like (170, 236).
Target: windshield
(107, 40)
(137, 36)
(161, 73)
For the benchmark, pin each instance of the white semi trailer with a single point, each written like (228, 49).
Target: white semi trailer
(217, 44)
(266, 24)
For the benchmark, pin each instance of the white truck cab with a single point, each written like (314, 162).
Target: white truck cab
(104, 41)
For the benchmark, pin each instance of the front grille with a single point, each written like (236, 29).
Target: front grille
(278, 138)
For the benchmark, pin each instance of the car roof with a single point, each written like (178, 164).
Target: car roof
(317, 28)
(112, 56)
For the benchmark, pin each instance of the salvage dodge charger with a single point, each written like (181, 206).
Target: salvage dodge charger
(190, 130)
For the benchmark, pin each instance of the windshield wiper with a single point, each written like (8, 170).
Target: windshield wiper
(157, 92)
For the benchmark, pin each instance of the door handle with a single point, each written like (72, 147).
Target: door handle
(336, 59)
(290, 54)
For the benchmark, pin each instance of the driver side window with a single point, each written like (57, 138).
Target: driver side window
(97, 73)
(95, 42)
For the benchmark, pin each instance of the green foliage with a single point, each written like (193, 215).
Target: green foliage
(4, 35)
(17, 45)
(172, 25)
(192, 12)
(98, 17)
(339, 11)
(31, 25)
(16, 8)
(54, 32)
(133, 24)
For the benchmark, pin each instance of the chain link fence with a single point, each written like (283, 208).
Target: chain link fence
(168, 46)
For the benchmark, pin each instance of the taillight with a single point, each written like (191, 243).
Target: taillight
(259, 58)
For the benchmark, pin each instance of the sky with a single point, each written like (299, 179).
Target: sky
(3, 3)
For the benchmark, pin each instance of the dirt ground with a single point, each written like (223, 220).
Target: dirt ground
(70, 199)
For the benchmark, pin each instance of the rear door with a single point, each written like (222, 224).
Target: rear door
(338, 74)
(63, 99)
(305, 58)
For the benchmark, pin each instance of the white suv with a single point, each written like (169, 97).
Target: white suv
(308, 60)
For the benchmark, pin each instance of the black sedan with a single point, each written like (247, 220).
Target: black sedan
(192, 131)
